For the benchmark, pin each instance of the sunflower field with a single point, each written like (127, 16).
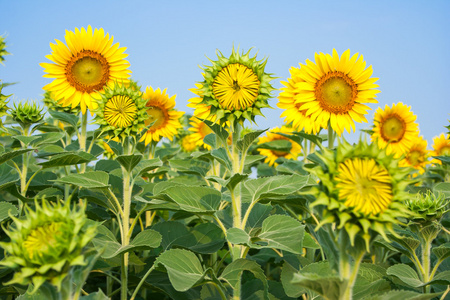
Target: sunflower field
(108, 191)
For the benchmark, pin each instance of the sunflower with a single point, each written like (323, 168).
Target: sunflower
(187, 143)
(417, 155)
(273, 155)
(199, 131)
(333, 90)
(394, 128)
(234, 89)
(120, 111)
(441, 147)
(84, 67)
(361, 189)
(201, 111)
(160, 110)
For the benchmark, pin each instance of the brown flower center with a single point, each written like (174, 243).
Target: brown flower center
(393, 128)
(88, 71)
(336, 92)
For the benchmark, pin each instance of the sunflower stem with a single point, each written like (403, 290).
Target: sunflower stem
(331, 136)
(82, 139)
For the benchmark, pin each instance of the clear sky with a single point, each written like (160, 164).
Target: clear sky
(407, 43)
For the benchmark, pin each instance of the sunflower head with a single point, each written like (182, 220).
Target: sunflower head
(428, 207)
(120, 111)
(441, 147)
(395, 128)
(3, 101)
(47, 243)
(361, 190)
(235, 88)
(274, 145)
(332, 90)
(161, 115)
(27, 113)
(187, 143)
(417, 155)
(88, 64)
(199, 130)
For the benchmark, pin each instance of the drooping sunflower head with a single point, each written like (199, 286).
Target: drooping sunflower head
(47, 243)
(120, 111)
(27, 113)
(235, 88)
(441, 147)
(161, 115)
(361, 190)
(395, 128)
(417, 155)
(276, 146)
(333, 90)
(86, 65)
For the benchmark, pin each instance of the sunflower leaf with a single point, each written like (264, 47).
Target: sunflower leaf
(70, 119)
(406, 274)
(68, 159)
(8, 176)
(248, 139)
(220, 131)
(7, 209)
(195, 199)
(4, 157)
(129, 161)
(88, 180)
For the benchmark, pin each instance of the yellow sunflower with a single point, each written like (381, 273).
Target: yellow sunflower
(199, 131)
(441, 147)
(234, 89)
(84, 67)
(160, 110)
(201, 111)
(188, 144)
(417, 155)
(273, 155)
(362, 190)
(394, 128)
(332, 90)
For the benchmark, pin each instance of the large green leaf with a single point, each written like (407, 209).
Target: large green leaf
(396, 295)
(8, 176)
(183, 267)
(68, 159)
(220, 131)
(147, 239)
(7, 209)
(4, 157)
(406, 274)
(442, 251)
(248, 139)
(190, 166)
(208, 238)
(193, 198)
(26, 140)
(147, 165)
(238, 236)
(88, 180)
(47, 138)
(281, 145)
(128, 162)
(328, 286)
(222, 157)
(68, 118)
(233, 272)
(282, 232)
(442, 187)
(231, 182)
(274, 186)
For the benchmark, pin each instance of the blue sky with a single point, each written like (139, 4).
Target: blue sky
(406, 42)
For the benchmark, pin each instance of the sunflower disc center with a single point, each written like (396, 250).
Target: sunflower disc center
(393, 129)
(445, 151)
(88, 71)
(120, 111)
(415, 158)
(364, 186)
(157, 115)
(40, 240)
(336, 92)
(236, 87)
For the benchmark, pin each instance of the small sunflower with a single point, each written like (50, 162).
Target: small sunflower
(234, 89)
(332, 90)
(395, 128)
(361, 189)
(160, 110)
(120, 111)
(417, 155)
(88, 64)
(47, 243)
(273, 155)
(188, 144)
(199, 131)
(441, 147)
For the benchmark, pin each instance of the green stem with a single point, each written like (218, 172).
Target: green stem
(126, 225)
(141, 282)
(82, 138)
(331, 136)
(426, 264)
(219, 289)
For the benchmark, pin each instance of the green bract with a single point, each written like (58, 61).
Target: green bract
(27, 114)
(236, 113)
(46, 243)
(386, 179)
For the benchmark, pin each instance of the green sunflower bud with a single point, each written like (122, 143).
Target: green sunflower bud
(428, 207)
(3, 102)
(52, 104)
(27, 114)
(3, 51)
(47, 243)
